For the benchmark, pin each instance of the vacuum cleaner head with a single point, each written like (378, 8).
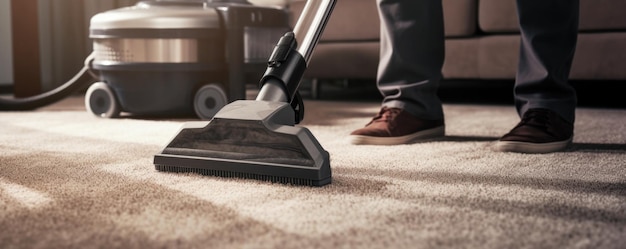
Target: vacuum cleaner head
(249, 139)
(257, 138)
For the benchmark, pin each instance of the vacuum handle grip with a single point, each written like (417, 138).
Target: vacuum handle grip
(286, 66)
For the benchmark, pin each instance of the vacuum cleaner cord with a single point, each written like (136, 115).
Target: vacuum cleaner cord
(52, 96)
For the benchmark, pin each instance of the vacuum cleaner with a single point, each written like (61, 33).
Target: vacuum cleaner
(165, 56)
(171, 57)
(258, 138)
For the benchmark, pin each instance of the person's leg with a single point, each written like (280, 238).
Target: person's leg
(411, 55)
(544, 99)
(549, 30)
(411, 58)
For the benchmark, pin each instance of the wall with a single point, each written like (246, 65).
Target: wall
(63, 34)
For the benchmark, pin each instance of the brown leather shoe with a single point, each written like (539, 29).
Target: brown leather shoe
(539, 131)
(396, 126)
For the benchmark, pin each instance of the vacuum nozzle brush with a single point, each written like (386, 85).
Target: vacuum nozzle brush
(249, 139)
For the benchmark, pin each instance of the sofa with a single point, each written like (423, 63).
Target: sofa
(482, 41)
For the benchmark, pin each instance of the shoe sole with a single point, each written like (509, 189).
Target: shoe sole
(411, 138)
(532, 148)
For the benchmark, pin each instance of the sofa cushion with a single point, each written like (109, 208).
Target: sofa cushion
(351, 20)
(357, 20)
(599, 56)
(356, 60)
(481, 57)
(602, 15)
(459, 17)
(595, 15)
(497, 16)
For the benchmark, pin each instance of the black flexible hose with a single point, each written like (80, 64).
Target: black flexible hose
(33, 102)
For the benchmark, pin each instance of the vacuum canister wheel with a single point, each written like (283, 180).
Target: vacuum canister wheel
(209, 100)
(100, 100)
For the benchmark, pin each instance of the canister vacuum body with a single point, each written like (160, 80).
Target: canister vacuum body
(172, 57)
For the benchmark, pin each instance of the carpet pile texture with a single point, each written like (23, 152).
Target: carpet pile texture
(72, 180)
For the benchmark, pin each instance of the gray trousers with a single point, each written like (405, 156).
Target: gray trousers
(412, 56)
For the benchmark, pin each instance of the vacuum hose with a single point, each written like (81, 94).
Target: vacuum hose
(52, 96)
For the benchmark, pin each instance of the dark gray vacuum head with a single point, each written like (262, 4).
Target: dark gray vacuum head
(249, 139)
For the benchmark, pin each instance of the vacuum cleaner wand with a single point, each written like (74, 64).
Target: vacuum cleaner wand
(289, 59)
(257, 138)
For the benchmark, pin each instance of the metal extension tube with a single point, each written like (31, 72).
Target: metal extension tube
(307, 32)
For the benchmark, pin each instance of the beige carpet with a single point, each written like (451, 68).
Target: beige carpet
(70, 180)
